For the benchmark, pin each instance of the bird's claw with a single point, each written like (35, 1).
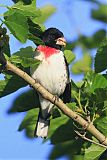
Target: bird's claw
(56, 98)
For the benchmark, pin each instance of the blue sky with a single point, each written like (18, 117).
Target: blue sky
(14, 144)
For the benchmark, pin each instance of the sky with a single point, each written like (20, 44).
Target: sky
(14, 144)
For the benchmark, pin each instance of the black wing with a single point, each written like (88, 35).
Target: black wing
(66, 96)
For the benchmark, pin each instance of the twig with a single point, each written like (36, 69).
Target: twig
(90, 140)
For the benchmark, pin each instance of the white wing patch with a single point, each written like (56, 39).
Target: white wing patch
(39, 56)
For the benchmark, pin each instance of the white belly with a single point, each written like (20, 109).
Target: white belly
(52, 73)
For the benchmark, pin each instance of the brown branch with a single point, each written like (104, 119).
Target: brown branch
(59, 103)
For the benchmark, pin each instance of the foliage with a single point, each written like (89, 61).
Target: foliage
(100, 13)
(101, 58)
(89, 96)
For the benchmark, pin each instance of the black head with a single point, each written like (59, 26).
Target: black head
(54, 38)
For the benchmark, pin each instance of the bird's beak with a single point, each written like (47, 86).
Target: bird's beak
(61, 41)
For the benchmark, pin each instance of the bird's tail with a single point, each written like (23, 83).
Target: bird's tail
(42, 127)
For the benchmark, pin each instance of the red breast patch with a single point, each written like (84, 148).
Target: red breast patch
(48, 51)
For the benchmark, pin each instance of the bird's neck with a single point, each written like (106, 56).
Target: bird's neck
(47, 51)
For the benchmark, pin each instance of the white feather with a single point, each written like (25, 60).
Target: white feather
(42, 128)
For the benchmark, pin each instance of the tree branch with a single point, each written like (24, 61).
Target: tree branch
(59, 103)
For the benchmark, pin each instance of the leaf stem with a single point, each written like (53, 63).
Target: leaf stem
(86, 105)
(79, 101)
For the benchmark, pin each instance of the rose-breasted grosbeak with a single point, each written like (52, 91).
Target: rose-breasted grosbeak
(52, 73)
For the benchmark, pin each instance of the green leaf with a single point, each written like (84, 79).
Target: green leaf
(99, 36)
(29, 123)
(72, 105)
(101, 57)
(70, 46)
(11, 84)
(93, 152)
(101, 95)
(6, 46)
(35, 31)
(14, 23)
(68, 148)
(56, 113)
(25, 101)
(3, 84)
(26, 10)
(94, 40)
(78, 157)
(25, 58)
(83, 65)
(46, 12)
(61, 130)
(27, 52)
(100, 13)
(60, 150)
(102, 125)
(35, 39)
(97, 82)
(30, 62)
(75, 86)
(69, 56)
(55, 123)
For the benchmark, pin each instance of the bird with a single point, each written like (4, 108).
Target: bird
(53, 74)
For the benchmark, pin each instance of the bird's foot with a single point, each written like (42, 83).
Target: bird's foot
(56, 98)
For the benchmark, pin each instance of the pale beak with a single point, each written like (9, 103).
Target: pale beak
(61, 41)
